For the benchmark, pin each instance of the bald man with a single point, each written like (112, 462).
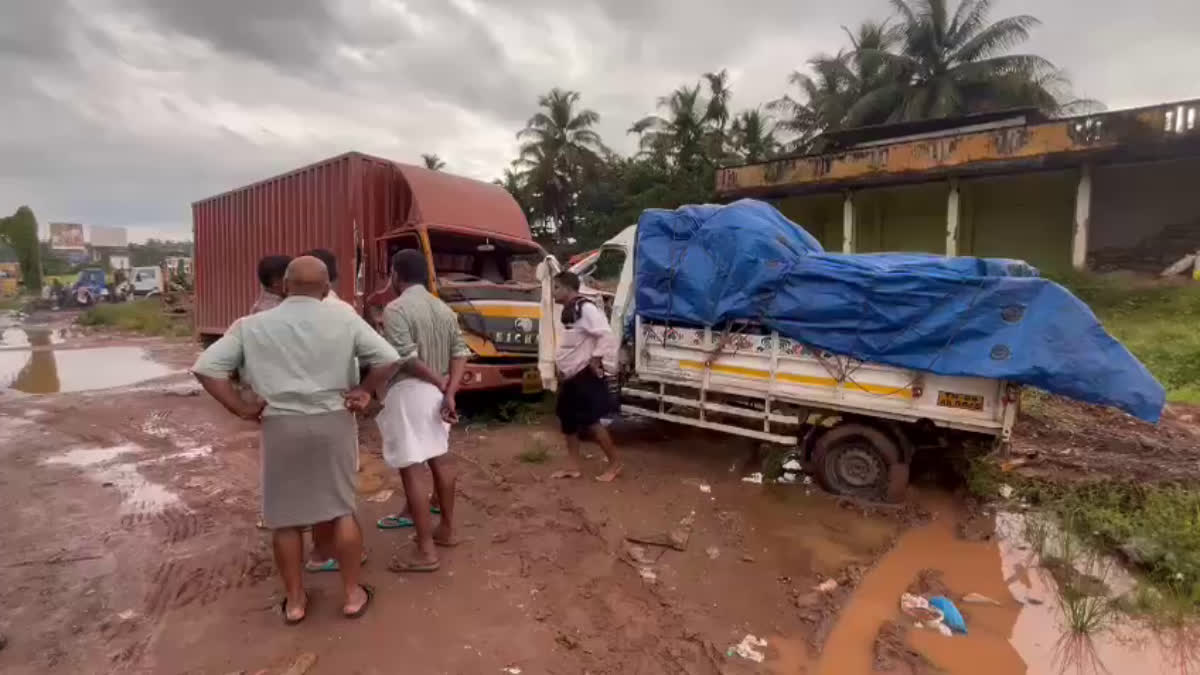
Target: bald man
(300, 360)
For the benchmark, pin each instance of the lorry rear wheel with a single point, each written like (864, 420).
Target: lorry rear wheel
(856, 460)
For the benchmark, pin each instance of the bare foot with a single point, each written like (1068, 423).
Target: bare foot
(445, 537)
(611, 474)
(294, 609)
(355, 600)
(567, 474)
(414, 562)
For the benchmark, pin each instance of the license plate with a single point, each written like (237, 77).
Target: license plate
(950, 399)
(531, 382)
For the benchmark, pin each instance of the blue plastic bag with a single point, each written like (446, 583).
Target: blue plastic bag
(951, 616)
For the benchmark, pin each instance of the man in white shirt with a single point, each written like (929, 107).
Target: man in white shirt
(583, 395)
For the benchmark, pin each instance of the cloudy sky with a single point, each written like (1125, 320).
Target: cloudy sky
(123, 112)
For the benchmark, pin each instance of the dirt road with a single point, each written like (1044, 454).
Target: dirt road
(128, 518)
(129, 524)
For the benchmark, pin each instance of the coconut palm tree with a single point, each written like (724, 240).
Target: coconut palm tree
(433, 162)
(837, 83)
(681, 134)
(512, 182)
(947, 64)
(559, 147)
(753, 136)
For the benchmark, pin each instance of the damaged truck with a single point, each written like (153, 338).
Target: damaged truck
(734, 319)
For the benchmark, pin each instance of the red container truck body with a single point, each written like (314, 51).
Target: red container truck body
(363, 209)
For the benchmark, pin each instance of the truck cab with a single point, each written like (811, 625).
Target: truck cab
(491, 283)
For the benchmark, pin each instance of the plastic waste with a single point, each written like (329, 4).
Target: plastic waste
(918, 609)
(950, 614)
(748, 649)
(979, 599)
(753, 478)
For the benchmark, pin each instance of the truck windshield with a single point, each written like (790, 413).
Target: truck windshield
(466, 259)
(92, 276)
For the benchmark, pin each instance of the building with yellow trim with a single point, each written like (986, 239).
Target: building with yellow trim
(1109, 190)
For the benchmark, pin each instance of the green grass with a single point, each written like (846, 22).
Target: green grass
(1156, 320)
(64, 279)
(1155, 529)
(140, 316)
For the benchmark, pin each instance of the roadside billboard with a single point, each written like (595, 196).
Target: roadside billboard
(67, 237)
(109, 237)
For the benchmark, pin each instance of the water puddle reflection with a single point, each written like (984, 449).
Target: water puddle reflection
(35, 367)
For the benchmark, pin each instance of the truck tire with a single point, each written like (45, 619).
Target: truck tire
(856, 460)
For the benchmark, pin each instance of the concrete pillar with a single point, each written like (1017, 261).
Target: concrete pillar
(848, 223)
(1083, 216)
(952, 219)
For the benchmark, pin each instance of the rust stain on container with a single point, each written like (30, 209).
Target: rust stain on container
(344, 204)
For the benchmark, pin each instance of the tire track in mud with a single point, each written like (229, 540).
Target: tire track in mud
(182, 582)
(180, 525)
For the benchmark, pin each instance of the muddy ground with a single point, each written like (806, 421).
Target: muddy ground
(128, 522)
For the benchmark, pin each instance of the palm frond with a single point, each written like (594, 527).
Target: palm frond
(1000, 36)
(969, 18)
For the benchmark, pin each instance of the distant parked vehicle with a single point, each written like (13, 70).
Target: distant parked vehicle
(147, 281)
(91, 288)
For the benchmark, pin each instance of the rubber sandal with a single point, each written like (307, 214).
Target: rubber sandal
(453, 543)
(406, 566)
(283, 609)
(442, 543)
(394, 522)
(330, 565)
(370, 591)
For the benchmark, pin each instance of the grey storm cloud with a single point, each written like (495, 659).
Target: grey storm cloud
(123, 112)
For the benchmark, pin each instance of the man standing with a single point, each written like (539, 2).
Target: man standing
(583, 396)
(270, 276)
(299, 358)
(326, 256)
(418, 410)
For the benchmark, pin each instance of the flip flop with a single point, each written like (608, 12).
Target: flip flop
(405, 566)
(370, 591)
(330, 565)
(566, 475)
(452, 543)
(394, 522)
(290, 621)
(397, 522)
(442, 543)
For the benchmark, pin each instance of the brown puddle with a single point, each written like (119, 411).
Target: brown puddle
(38, 368)
(1023, 634)
(966, 567)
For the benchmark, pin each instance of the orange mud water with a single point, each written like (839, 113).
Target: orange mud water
(1023, 634)
(966, 567)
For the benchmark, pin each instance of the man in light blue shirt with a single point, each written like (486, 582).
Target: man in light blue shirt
(300, 359)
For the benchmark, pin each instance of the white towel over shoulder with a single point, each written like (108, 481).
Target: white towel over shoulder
(411, 424)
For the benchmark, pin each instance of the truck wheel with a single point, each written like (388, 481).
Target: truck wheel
(857, 461)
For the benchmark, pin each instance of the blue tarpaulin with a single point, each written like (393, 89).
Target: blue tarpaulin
(709, 265)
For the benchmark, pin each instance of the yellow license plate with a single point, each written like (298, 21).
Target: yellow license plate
(531, 382)
(950, 399)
